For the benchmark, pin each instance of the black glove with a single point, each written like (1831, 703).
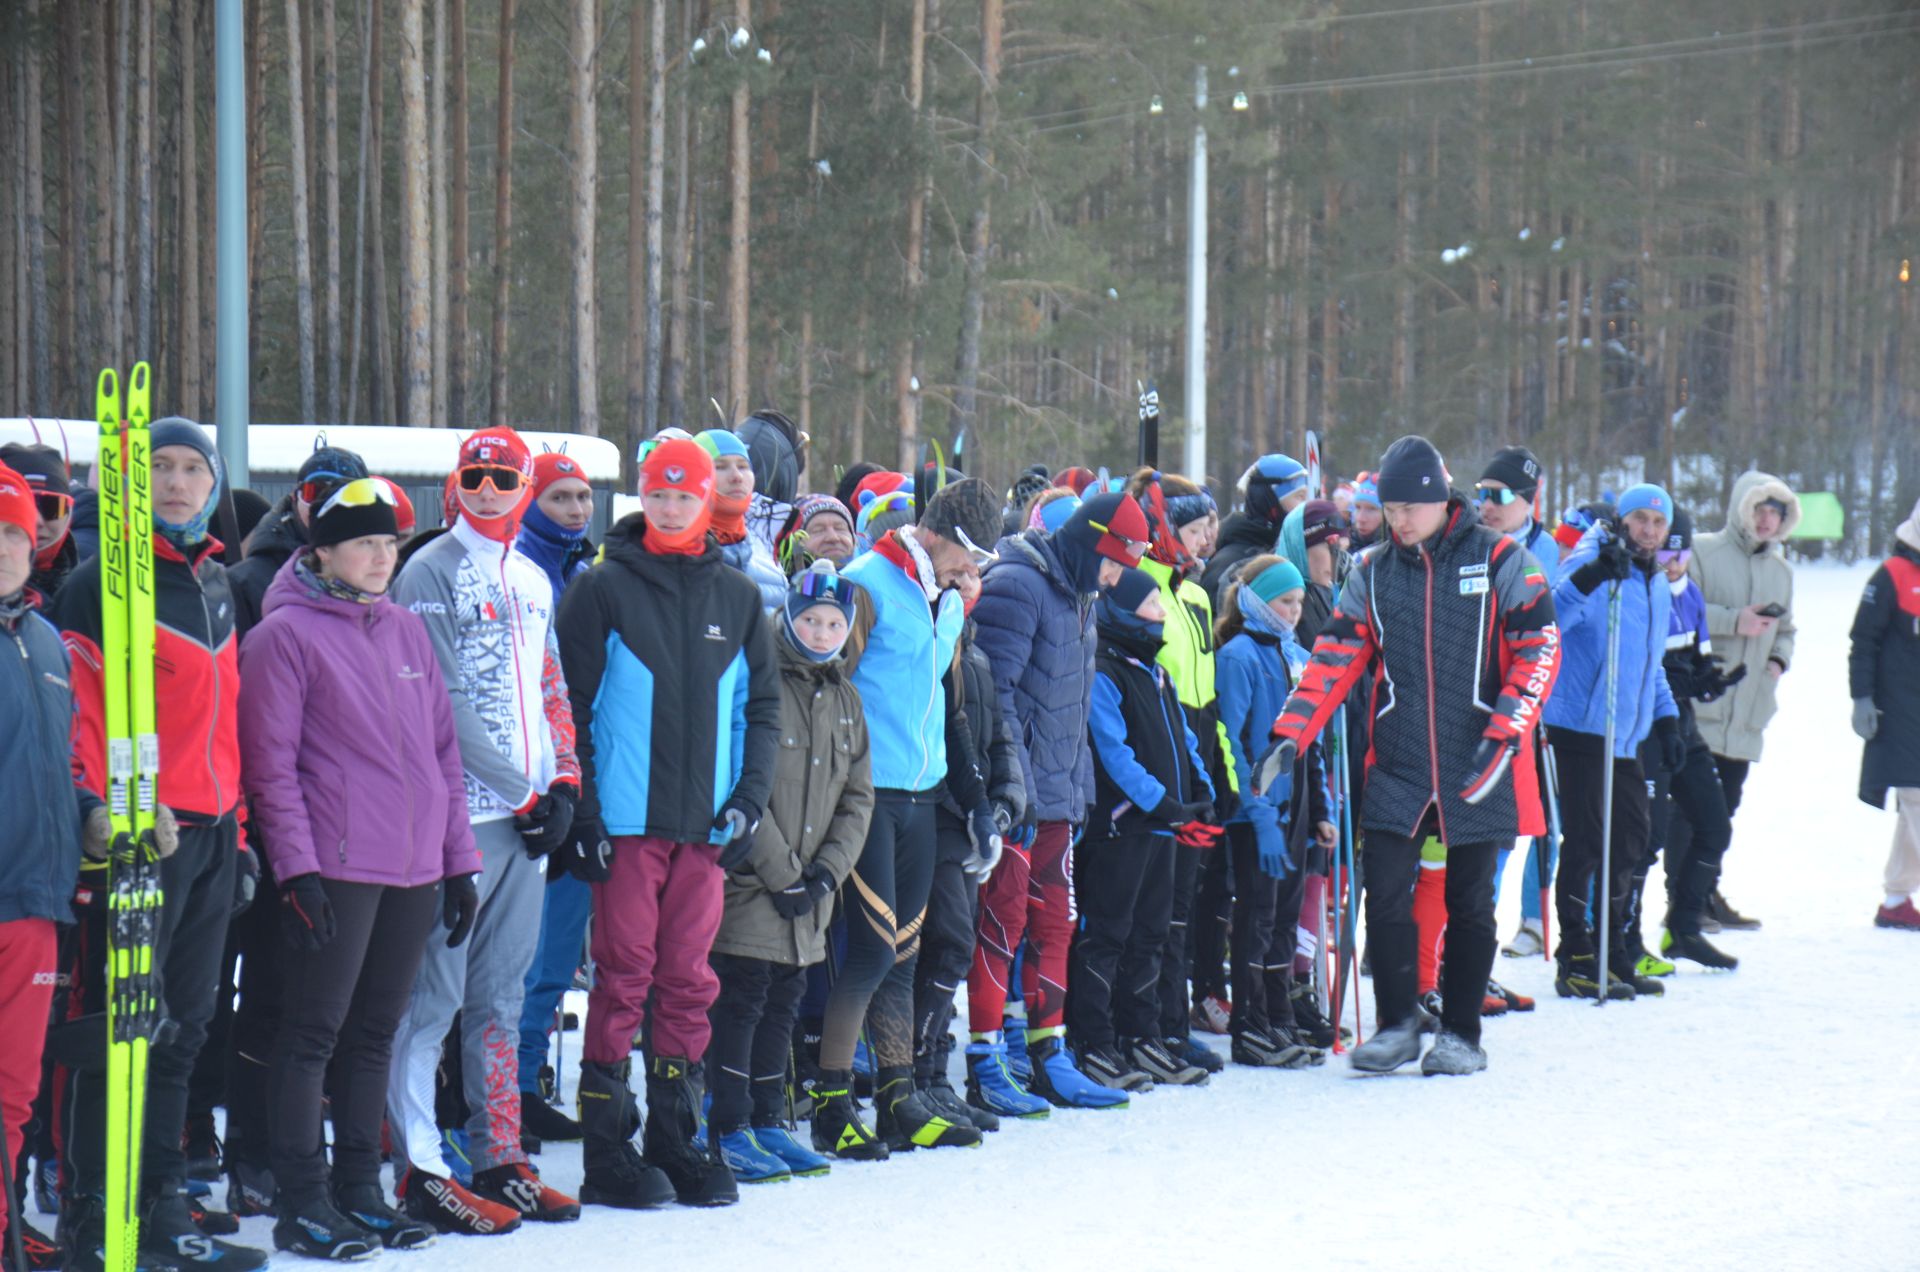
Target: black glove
(306, 916)
(1491, 759)
(805, 894)
(1712, 681)
(459, 906)
(1226, 802)
(1611, 566)
(246, 881)
(1176, 814)
(1673, 748)
(588, 853)
(737, 819)
(543, 828)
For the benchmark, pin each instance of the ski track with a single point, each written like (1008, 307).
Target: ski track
(1755, 1119)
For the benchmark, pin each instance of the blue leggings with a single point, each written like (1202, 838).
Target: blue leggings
(563, 933)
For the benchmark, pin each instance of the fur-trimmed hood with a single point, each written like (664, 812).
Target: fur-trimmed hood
(1751, 490)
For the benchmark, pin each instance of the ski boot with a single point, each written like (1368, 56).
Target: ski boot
(1527, 942)
(837, 1128)
(82, 1235)
(1283, 1036)
(1257, 1049)
(518, 1185)
(1903, 916)
(1389, 1048)
(1514, 1001)
(202, 1148)
(1196, 1053)
(1056, 1080)
(41, 1254)
(938, 1094)
(1014, 1030)
(751, 1161)
(1578, 976)
(545, 1122)
(673, 1105)
(1157, 1060)
(1727, 917)
(1310, 1021)
(1492, 1004)
(1212, 1014)
(905, 1121)
(315, 1228)
(1108, 1067)
(801, 1162)
(250, 1188)
(1452, 1055)
(366, 1205)
(616, 1174)
(991, 1085)
(1643, 986)
(1696, 948)
(167, 1229)
(449, 1206)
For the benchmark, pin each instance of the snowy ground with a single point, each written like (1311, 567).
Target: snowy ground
(1756, 1119)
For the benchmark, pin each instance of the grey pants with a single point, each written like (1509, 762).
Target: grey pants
(484, 980)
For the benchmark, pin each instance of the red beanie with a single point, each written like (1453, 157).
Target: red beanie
(552, 466)
(16, 502)
(402, 506)
(679, 464)
(881, 483)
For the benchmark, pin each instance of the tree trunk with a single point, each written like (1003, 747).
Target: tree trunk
(39, 393)
(257, 43)
(583, 153)
(437, 203)
(806, 308)
(327, 73)
(673, 388)
(385, 375)
(906, 393)
(302, 254)
(656, 211)
(980, 223)
(76, 257)
(638, 77)
(459, 231)
(121, 85)
(738, 243)
(185, 57)
(1330, 318)
(143, 159)
(416, 247)
(502, 226)
(360, 215)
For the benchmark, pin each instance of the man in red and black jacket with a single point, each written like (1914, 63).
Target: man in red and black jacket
(205, 869)
(1456, 621)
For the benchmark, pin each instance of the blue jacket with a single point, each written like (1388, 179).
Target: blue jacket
(899, 675)
(1038, 634)
(1144, 752)
(1579, 700)
(561, 557)
(39, 836)
(1254, 674)
(1536, 539)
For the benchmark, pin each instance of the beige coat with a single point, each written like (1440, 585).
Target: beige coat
(1734, 570)
(822, 803)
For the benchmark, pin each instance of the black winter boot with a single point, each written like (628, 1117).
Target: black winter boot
(905, 1121)
(313, 1226)
(837, 1128)
(616, 1174)
(701, 1177)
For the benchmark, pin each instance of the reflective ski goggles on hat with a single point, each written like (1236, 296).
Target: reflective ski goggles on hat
(505, 481)
(825, 585)
(1502, 495)
(52, 505)
(315, 487)
(361, 492)
(1669, 556)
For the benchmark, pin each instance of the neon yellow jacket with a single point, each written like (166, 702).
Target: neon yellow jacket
(1188, 652)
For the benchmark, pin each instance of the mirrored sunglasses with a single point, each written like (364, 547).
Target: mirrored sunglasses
(505, 481)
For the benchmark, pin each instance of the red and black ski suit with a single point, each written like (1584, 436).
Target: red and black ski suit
(1459, 632)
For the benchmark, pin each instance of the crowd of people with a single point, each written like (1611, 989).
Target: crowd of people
(772, 774)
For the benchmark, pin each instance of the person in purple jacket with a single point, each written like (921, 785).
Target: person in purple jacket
(353, 772)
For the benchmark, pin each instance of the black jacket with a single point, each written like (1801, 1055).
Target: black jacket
(48, 579)
(1241, 538)
(1885, 666)
(278, 536)
(675, 688)
(1145, 757)
(995, 759)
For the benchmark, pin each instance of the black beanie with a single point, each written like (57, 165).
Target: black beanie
(353, 511)
(1412, 472)
(1680, 531)
(1134, 587)
(1517, 468)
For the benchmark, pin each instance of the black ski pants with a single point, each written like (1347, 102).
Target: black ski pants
(1582, 765)
(1393, 866)
(752, 1038)
(198, 883)
(1124, 889)
(342, 1005)
(1266, 914)
(886, 904)
(1213, 909)
(946, 945)
(1174, 1002)
(1697, 797)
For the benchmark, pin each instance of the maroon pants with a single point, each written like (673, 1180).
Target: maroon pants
(1028, 895)
(26, 991)
(654, 922)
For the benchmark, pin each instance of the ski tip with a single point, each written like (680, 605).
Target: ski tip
(139, 393)
(107, 397)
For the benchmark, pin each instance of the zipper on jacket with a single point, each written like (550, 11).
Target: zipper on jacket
(519, 681)
(393, 733)
(40, 734)
(213, 726)
(1433, 728)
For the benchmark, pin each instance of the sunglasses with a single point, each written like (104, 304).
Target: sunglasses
(1669, 556)
(1502, 495)
(52, 506)
(504, 480)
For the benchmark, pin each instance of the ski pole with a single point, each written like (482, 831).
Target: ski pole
(1603, 916)
(1550, 780)
(1336, 763)
(14, 1204)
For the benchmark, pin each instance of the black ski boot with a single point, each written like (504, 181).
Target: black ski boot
(936, 1088)
(366, 1204)
(314, 1227)
(700, 1177)
(837, 1128)
(906, 1122)
(250, 1187)
(544, 1122)
(1255, 1048)
(616, 1175)
(202, 1147)
(1310, 1022)
(1389, 1048)
(1111, 1067)
(1153, 1057)
(82, 1234)
(1285, 1036)
(1578, 976)
(1698, 949)
(167, 1229)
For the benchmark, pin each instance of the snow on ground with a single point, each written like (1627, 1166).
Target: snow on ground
(1755, 1119)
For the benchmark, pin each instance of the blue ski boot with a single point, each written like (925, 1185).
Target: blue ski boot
(751, 1161)
(992, 1086)
(1057, 1081)
(801, 1161)
(1014, 1030)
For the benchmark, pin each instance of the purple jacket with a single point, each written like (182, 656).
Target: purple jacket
(347, 746)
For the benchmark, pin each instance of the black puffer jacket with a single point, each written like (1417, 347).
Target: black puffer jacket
(994, 753)
(1241, 539)
(278, 536)
(1885, 666)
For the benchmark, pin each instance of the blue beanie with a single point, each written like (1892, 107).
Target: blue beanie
(1271, 479)
(718, 441)
(1648, 496)
(1276, 580)
(177, 431)
(1366, 492)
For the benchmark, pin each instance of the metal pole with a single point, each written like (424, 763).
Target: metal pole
(1603, 913)
(1196, 462)
(232, 410)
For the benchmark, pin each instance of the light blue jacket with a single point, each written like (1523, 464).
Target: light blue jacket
(906, 654)
(1579, 700)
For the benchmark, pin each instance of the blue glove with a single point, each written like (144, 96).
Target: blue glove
(1275, 861)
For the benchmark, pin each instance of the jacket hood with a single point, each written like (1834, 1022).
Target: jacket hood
(1751, 490)
(279, 534)
(293, 586)
(1242, 528)
(796, 664)
(1031, 547)
(624, 544)
(1908, 531)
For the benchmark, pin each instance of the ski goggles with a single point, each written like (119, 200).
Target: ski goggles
(317, 485)
(824, 585)
(362, 492)
(51, 504)
(1502, 495)
(1673, 556)
(505, 481)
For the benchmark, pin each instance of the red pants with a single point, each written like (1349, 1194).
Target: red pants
(1029, 896)
(26, 992)
(654, 922)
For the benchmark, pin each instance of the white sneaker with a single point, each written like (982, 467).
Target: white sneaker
(1526, 943)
